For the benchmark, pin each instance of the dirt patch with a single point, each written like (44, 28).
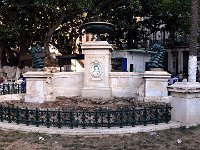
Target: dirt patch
(179, 139)
(79, 103)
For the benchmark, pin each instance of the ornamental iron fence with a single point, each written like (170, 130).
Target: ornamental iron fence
(12, 88)
(99, 118)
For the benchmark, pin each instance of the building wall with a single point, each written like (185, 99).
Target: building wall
(138, 59)
(177, 60)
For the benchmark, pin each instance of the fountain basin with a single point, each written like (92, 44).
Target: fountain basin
(98, 27)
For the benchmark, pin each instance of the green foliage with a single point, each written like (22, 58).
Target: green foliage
(32, 20)
(58, 21)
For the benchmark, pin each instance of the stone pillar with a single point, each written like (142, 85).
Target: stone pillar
(38, 86)
(154, 86)
(97, 67)
(185, 102)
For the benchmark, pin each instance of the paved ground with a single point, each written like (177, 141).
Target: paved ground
(170, 139)
(89, 131)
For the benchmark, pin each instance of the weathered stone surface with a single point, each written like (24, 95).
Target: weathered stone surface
(38, 86)
(186, 102)
(97, 67)
(67, 84)
(154, 87)
(125, 84)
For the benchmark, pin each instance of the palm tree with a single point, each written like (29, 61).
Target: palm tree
(192, 62)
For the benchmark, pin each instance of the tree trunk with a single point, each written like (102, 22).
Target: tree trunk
(2, 47)
(192, 62)
(51, 32)
(23, 56)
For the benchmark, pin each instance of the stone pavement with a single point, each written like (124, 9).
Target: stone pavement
(89, 131)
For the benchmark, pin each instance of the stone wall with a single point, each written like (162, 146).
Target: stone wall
(125, 84)
(67, 84)
(122, 84)
(70, 84)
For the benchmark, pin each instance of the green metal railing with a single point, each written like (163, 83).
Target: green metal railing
(96, 119)
(12, 88)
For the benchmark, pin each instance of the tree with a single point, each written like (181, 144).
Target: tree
(57, 22)
(43, 22)
(192, 62)
(167, 15)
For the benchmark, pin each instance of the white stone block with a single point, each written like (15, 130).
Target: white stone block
(67, 84)
(155, 83)
(185, 103)
(97, 67)
(100, 92)
(38, 86)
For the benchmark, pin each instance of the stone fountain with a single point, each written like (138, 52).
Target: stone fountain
(98, 28)
(97, 61)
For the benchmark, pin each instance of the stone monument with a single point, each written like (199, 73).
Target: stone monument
(155, 81)
(38, 82)
(97, 62)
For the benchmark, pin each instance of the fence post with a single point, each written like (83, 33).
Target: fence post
(96, 119)
(71, 119)
(58, 119)
(1, 113)
(9, 114)
(167, 113)
(83, 117)
(156, 116)
(133, 118)
(18, 88)
(8, 87)
(3, 92)
(27, 116)
(17, 115)
(108, 118)
(37, 117)
(121, 119)
(47, 119)
(145, 116)
(13, 88)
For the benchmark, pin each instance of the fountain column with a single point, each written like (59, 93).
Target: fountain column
(97, 67)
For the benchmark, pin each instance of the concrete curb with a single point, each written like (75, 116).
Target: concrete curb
(89, 131)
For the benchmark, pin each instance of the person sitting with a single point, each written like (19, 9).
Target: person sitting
(22, 82)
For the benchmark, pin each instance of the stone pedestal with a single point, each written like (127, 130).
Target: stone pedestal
(186, 103)
(38, 86)
(154, 87)
(97, 67)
